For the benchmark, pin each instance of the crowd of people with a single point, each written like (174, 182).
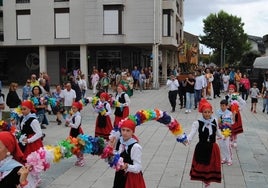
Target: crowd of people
(210, 83)
(194, 91)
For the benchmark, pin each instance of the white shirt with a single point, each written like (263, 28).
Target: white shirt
(127, 99)
(194, 130)
(35, 125)
(199, 82)
(173, 84)
(135, 154)
(68, 97)
(77, 120)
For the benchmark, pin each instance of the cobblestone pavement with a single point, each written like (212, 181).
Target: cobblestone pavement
(166, 163)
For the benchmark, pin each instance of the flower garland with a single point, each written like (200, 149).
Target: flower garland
(226, 131)
(86, 144)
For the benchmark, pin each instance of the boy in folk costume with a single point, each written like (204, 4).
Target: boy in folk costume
(236, 103)
(130, 174)
(103, 122)
(75, 123)
(206, 163)
(225, 121)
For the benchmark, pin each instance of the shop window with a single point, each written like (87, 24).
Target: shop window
(62, 23)
(112, 19)
(23, 24)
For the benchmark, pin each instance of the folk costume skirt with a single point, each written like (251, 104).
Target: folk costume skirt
(125, 114)
(103, 127)
(210, 172)
(237, 127)
(31, 147)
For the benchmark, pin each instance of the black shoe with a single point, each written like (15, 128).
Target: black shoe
(219, 96)
(59, 122)
(43, 127)
(263, 110)
(66, 125)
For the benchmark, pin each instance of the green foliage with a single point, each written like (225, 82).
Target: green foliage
(225, 30)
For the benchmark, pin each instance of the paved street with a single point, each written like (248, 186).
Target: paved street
(166, 163)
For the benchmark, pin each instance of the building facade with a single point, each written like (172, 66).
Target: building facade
(50, 36)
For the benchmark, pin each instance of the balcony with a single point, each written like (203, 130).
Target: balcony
(22, 1)
(60, 0)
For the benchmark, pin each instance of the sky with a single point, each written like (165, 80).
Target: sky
(253, 13)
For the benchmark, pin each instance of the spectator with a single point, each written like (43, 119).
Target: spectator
(13, 100)
(27, 90)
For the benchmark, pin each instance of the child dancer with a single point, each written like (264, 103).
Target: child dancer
(233, 98)
(12, 173)
(75, 123)
(225, 121)
(206, 163)
(130, 174)
(123, 111)
(31, 133)
(104, 126)
(254, 93)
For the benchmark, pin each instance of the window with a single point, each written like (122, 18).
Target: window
(22, 1)
(23, 24)
(62, 23)
(112, 19)
(167, 22)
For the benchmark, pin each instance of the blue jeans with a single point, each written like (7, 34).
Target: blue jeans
(198, 96)
(190, 97)
(265, 104)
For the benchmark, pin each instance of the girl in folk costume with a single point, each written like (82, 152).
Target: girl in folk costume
(209, 77)
(206, 163)
(130, 174)
(236, 103)
(75, 123)
(123, 111)
(103, 122)
(31, 132)
(12, 173)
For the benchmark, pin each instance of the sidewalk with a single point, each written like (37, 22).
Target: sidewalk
(166, 163)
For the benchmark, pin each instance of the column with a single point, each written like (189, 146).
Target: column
(164, 65)
(42, 59)
(83, 60)
(155, 67)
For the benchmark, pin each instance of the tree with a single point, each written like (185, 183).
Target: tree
(224, 34)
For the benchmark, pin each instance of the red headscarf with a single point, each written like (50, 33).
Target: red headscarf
(128, 124)
(122, 87)
(78, 105)
(204, 104)
(105, 96)
(232, 86)
(10, 142)
(29, 104)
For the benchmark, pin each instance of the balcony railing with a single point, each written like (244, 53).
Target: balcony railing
(22, 1)
(60, 0)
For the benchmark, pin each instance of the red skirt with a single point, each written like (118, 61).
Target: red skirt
(237, 127)
(117, 119)
(135, 180)
(104, 131)
(208, 173)
(31, 147)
